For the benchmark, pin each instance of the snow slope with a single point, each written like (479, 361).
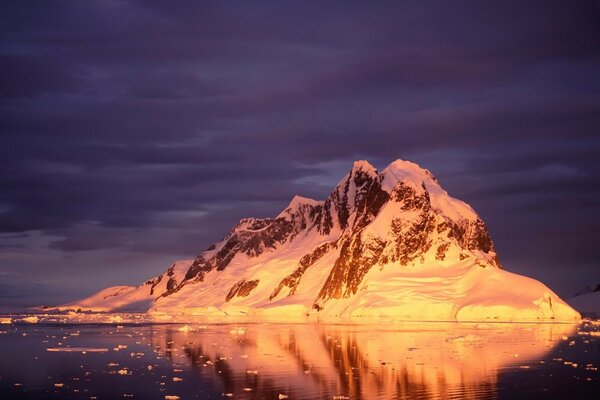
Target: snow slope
(393, 244)
(132, 298)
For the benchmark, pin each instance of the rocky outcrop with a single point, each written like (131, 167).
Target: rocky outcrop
(291, 281)
(241, 289)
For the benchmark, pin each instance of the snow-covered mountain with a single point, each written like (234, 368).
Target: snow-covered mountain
(382, 244)
(587, 300)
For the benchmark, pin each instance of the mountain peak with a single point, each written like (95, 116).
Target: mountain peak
(406, 171)
(363, 165)
(301, 200)
(296, 203)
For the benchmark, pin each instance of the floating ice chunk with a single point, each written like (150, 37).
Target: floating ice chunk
(124, 371)
(177, 379)
(78, 349)
(282, 396)
(31, 320)
(463, 338)
(6, 320)
(115, 318)
(185, 328)
(59, 384)
(171, 397)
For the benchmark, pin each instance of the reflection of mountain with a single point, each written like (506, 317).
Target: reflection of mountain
(361, 362)
(392, 243)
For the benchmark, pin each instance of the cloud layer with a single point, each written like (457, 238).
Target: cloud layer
(136, 132)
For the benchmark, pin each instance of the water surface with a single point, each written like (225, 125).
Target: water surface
(57, 360)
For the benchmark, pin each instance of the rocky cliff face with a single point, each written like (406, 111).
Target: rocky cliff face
(374, 236)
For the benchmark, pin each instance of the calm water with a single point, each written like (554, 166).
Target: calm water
(302, 361)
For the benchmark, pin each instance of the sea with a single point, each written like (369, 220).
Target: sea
(132, 357)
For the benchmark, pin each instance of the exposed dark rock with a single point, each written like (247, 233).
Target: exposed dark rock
(361, 180)
(368, 203)
(241, 289)
(406, 194)
(440, 254)
(470, 235)
(356, 259)
(414, 239)
(153, 283)
(251, 237)
(293, 280)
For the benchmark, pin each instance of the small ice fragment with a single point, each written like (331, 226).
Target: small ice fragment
(238, 331)
(282, 396)
(228, 394)
(5, 321)
(31, 320)
(463, 338)
(59, 384)
(247, 389)
(185, 328)
(177, 379)
(123, 371)
(171, 397)
(251, 371)
(77, 349)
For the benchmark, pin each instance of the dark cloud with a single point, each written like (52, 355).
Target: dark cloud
(133, 132)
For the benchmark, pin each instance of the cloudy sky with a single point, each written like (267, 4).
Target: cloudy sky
(136, 133)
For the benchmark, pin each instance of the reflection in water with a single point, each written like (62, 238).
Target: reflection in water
(413, 360)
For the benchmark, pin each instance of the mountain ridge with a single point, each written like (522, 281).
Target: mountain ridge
(382, 243)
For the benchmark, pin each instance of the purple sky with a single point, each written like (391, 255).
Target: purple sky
(137, 133)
